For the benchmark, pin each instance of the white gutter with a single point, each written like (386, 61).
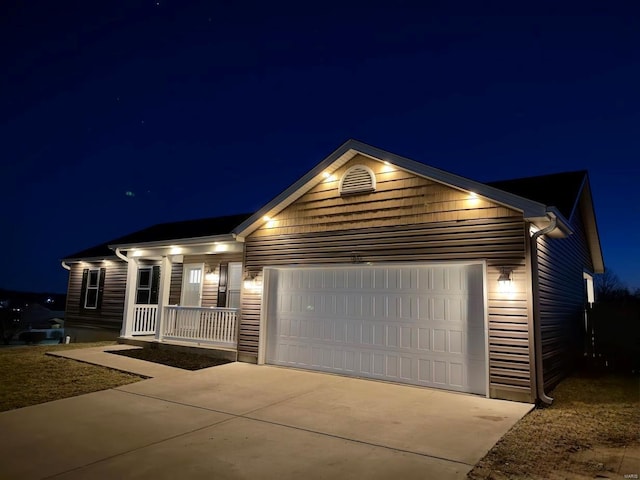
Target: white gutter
(65, 266)
(537, 332)
(120, 255)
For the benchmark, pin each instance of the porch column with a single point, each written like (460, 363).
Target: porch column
(129, 298)
(163, 293)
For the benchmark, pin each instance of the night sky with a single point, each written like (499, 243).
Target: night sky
(121, 114)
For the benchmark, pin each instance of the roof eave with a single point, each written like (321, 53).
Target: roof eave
(228, 237)
(100, 258)
(591, 228)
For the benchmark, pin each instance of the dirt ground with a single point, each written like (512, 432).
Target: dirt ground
(592, 430)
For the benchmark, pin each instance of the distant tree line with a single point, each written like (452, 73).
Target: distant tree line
(615, 323)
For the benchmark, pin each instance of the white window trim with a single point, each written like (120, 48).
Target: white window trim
(229, 286)
(591, 296)
(147, 289)
(89, 287)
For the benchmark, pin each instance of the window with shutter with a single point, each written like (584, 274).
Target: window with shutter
(91, 282)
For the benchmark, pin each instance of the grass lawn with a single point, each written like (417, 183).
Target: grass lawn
(29, 376)
(590, 413)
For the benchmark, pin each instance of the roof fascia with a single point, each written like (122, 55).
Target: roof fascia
(591, 227)
(175, 243)
(91, 259)
(562, 223)
(576, 201)
(335, 160)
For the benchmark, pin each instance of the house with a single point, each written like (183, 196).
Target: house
(98, 294)
(377, 266)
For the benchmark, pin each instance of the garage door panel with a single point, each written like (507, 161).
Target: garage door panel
(393, 336)
(422, 325)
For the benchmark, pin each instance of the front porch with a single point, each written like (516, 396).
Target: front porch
(184, 297)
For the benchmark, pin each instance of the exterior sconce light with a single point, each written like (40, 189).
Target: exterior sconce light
(505, 284)
(211, 276)
(252, 283)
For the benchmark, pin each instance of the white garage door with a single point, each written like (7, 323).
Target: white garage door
(420, 324)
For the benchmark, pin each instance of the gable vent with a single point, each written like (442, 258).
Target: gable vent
(358, 179)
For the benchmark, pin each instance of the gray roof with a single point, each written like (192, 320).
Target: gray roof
(205, 227)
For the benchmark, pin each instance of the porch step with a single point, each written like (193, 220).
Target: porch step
(208, 350)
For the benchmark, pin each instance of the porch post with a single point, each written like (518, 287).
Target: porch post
(163, 293)
(129, 298)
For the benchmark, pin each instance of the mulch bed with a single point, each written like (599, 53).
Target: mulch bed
(172, 358)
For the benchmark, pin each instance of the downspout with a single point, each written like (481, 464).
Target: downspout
(120, 255)
(537, 331)
(65, 266)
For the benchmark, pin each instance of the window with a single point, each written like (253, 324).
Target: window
(92, 288)
(148, 282)
(591, 297)
(235, 283)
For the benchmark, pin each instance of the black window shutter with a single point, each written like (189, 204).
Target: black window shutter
(155, 285)
(222, 285)
(83, 289)
(103, 273)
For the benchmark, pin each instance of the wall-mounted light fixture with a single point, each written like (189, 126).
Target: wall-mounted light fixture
(251, 282)
(211, 276)
(505, 283)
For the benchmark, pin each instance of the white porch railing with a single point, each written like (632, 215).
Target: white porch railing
(144, 319)
(201, 324)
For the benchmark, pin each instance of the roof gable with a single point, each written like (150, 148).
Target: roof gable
(530, 208)
(400, 198)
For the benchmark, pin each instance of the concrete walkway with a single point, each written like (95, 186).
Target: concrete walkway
(245, 421)
(99, 356)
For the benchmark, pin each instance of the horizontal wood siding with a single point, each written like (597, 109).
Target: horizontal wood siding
(407, 219)
(498, 241)
(211, 262)
(110, 313)
(561, 262)
(400, 199)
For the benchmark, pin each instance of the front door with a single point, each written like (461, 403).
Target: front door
(192, 285)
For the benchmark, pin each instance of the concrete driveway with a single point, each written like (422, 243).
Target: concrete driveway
(241, 421)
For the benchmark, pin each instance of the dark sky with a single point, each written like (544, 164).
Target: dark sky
(210, 108)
